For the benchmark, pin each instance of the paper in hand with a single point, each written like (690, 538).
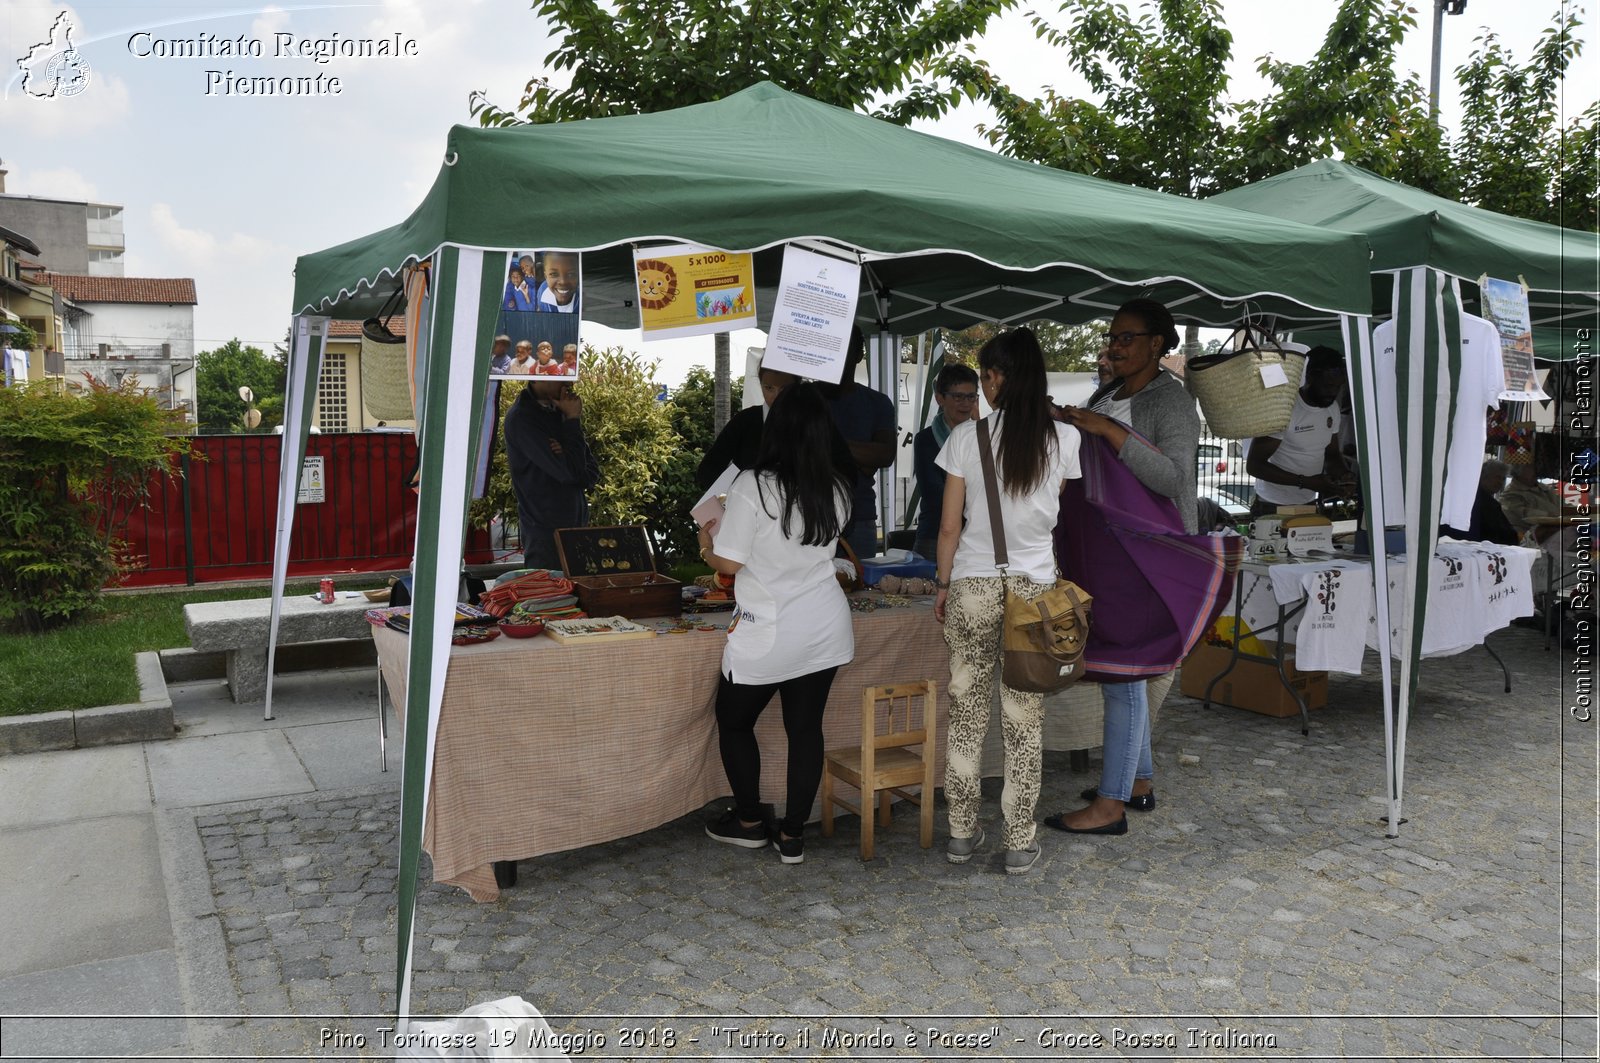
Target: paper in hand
(711, 507)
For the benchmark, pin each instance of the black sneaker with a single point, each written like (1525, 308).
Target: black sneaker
(790, 850)
(730, 830)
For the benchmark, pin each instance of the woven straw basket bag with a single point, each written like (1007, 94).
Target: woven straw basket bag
(1234, 401)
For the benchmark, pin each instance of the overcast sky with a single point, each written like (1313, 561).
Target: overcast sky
(229, 189)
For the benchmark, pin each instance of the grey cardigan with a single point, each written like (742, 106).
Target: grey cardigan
(1164, 413)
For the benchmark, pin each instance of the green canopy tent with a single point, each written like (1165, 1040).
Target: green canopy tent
(1427, 255)
(948, 235)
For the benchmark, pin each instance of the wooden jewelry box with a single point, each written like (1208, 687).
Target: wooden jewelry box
(613, 571)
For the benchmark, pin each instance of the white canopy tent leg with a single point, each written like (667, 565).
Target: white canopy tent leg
(1360, 369)
(308, 338)
(447, 438)
(1427, 364)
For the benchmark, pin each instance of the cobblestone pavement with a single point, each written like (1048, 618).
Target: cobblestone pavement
(1258, 912)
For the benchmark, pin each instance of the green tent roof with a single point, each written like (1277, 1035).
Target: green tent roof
(951, 234)
(1408, 227)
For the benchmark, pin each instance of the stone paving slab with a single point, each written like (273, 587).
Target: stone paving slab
(94, 884)
(72, 784)
(341, 755)
(225, 767)
(145, 988)
(1261, 902)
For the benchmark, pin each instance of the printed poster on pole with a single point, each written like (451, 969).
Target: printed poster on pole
(1506, 304)
(689, 290)
(536, 330)
(811, 318)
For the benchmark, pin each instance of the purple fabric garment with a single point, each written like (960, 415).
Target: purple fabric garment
(1156, 589)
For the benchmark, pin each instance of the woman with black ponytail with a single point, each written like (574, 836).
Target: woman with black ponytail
(791, 628)
(1033, 455)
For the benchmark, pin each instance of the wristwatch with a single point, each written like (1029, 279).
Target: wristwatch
(942, 584)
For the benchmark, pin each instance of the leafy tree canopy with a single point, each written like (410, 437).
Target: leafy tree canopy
(639, 56)
(1067, 348)
(219, 375)
(1161, 116)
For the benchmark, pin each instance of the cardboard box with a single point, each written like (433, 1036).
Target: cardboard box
(1251, 685)
(613, 571)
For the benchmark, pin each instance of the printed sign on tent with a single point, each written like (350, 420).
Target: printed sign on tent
(1506, 304)
(536, 331)
(689, 290)
(811, 318)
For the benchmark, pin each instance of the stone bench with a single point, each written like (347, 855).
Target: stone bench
(239, 631)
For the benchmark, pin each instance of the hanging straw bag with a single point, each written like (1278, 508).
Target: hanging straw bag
(1043, 638)
(1234, 398)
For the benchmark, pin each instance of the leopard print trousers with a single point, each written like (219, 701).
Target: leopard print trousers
(973, 615)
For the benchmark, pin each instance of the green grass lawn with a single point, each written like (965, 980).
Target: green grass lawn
(90, 663)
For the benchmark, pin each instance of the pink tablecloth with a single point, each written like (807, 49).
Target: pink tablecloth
(543, 748)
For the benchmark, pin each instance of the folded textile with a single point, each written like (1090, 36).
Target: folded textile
(1156, 588)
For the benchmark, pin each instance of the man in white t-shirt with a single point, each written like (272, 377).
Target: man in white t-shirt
(1293, 467)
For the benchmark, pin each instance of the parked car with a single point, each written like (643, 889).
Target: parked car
(1216, 456)
(1232, 500)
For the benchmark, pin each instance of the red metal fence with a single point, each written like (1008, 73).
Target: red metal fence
(218, 520)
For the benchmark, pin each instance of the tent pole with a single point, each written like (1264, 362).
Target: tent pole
(309, 335)
(447, 436)
(1360, 368)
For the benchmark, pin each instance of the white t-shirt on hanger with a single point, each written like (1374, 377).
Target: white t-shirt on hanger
(1478, 387)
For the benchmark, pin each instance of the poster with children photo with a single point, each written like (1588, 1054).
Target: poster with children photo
(536, 329)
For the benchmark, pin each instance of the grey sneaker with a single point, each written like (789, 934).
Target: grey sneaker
(959, 850)
(1019, 861)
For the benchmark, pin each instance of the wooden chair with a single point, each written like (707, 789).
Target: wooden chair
(890, 722)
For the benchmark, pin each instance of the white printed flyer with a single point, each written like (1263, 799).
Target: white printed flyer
(812, 315)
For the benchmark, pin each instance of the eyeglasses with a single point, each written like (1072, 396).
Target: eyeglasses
(1121, 339)
(960, 396)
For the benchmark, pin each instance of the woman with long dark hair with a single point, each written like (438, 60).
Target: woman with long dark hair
(791, 628)
(1033, 456)
(1149, 420)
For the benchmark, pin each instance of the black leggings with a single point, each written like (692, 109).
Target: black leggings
(739, 705)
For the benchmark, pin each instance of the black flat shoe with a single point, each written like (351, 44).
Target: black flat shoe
(1138, 802)
(1059, 822)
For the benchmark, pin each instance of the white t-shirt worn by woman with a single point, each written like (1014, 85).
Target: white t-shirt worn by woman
(1030, 520)
(790, 614)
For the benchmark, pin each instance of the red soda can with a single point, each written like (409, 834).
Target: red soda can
(327, 590)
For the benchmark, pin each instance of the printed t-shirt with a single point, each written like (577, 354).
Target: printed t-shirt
(1481, 381)
(1303, 450)
(790, 614)
(1029, 521)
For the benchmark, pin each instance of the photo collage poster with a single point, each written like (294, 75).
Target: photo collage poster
(536, 330)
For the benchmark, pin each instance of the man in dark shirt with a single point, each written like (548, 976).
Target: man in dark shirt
(551, 467)
(739, 442)
(956, 392)
(866, 419)
(1489, 523)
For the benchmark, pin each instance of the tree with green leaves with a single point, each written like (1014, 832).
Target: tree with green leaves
(692, 412)
(72, 468)
(219, 375)
(1517, 152)
(639, 56)
(1067, 348)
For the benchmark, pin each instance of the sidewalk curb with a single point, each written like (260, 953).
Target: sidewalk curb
(147, 720)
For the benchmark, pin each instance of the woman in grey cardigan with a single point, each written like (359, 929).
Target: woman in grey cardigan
(1160, 452)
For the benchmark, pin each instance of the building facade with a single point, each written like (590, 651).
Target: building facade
(72, 235)
(122, 328)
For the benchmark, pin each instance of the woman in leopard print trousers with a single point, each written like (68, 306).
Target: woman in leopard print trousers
(1032, 455)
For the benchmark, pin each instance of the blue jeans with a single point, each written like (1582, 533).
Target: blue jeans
(1127, 739)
